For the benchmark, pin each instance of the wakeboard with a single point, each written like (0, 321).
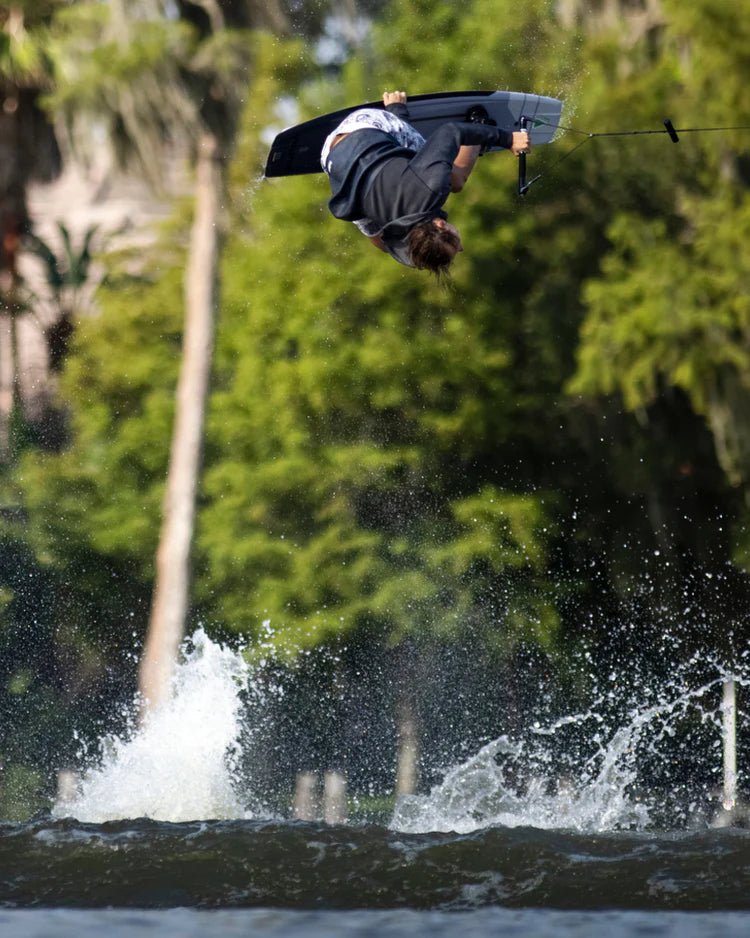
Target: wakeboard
(296, 150)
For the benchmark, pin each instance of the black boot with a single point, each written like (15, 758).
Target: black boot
(477, 114)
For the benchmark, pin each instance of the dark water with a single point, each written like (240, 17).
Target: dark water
(244, 864)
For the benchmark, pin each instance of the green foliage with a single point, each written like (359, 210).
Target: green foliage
(278, 67)
(392, 460)
(21, 793)
(95, 55)
(713, 42)
(149, 78)
(675, 310)
(104, 492)
(487, 44)
(361, 416)
(69, 270)
(124, 74)
(666, 314)
(354, 401)
(23, 58)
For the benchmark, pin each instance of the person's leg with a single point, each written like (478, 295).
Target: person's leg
(373, 119)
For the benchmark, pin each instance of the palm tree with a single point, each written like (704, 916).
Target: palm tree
(67, 273)
(155, 78)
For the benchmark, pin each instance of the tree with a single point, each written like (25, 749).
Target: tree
(67, 274)
(199, 72)
(28, 152)
(666, 317)
(401, 475)
(364, 419)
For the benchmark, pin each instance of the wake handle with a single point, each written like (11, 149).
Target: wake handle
(522, 184)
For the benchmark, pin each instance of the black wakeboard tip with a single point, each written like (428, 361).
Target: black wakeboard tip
(671, 131)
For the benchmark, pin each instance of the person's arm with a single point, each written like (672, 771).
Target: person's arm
(462, 166)
(467, 158)
(379, 243)
(455, 143)
(521, 143)
(395, 102)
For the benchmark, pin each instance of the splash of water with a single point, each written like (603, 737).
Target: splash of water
(581, 772)
(497, 787)
(535, 782)
(182, 763)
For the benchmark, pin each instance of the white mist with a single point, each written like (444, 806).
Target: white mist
(181, 764)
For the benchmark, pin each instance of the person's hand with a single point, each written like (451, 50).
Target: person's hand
(521, 143)
(394, 97)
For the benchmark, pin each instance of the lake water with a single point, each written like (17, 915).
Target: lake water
(510, 842)
(282, 923)
(61, 877)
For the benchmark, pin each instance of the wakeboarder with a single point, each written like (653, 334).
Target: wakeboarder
(392, 183)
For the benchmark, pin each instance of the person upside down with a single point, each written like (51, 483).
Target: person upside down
(393, 184)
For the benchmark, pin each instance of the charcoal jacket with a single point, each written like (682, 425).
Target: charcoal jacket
(392, 188)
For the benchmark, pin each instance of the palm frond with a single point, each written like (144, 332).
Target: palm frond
(39, 248)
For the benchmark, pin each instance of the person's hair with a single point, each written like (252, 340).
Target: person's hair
(432, 248)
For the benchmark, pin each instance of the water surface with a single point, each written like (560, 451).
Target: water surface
(281, 923)
(146, 864)
(542, 836)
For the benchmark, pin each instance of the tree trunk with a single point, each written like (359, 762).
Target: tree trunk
(7, 381)
(171, 589)
(10, 233)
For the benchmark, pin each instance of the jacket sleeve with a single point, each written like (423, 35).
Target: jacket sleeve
(434, 162)
(448, 139)
(399, 110)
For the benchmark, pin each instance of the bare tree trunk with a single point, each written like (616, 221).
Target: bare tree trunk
(171, 590)
(32, 369)
(10, 226)
(7, 381)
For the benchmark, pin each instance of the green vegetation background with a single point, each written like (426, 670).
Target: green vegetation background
(552, 454)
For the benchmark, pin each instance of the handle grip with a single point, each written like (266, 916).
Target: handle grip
(522, 184)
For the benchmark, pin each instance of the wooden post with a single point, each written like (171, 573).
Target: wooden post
(729, 738)
(305, 805)
(408, 750)
(335, 808)
(732, 811)
(67, 786)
